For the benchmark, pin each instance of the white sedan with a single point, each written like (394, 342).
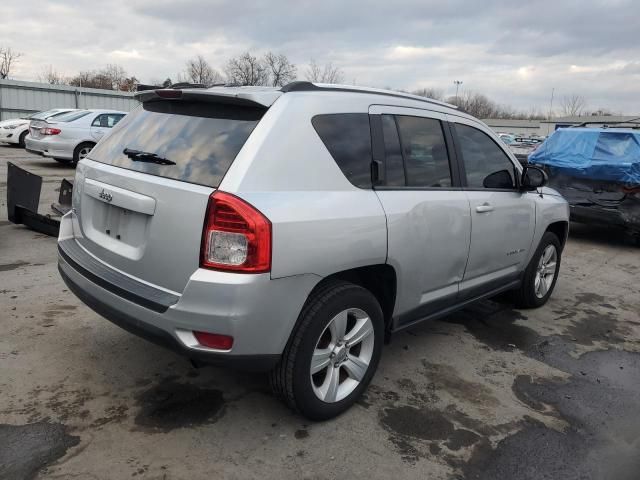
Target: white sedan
(16, 129)
(69, 138)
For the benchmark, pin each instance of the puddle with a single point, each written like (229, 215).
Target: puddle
(172, 405)
(599, 402)
(494, 325)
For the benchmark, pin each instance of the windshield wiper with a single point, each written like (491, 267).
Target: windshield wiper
(139, 156)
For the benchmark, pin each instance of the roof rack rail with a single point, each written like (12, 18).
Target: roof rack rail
(635, 122)
(304, 86)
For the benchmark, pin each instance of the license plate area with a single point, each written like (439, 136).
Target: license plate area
(114, 228)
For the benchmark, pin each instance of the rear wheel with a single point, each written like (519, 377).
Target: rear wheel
(333, 353)
(81, 151)
(541, 275)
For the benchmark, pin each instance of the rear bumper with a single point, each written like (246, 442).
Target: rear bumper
(162, 337)
(50, 147)
(259, 313)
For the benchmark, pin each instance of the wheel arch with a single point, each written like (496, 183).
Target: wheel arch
(380, 280)
(559, 229)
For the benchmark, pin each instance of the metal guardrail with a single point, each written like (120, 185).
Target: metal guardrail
(19, 98)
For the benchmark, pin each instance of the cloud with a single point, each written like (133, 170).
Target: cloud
(513, 52)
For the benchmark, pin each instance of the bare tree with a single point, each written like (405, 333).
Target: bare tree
(8, 58)
(433, 93)
(91, 79)
(247, 70)
(51, 76)
(327, 73)
(572, 105)
(281, 71)
(476, 104)
(199, 71)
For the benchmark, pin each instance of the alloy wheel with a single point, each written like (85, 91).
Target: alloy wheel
(83, 152)
(342, 355)
(546, 271)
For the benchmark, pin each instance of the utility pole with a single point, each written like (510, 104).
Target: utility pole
(550, 110)
(457, 83)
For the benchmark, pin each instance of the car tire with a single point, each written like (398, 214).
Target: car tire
(351, 357)
(21, 139)
(541, 274)
(81, 151)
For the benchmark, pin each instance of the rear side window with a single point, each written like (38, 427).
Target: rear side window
(201, 138)
(347, 136)
(425, 152)
(107, 120)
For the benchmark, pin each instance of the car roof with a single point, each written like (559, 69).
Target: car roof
(103, 110)
(266, 96)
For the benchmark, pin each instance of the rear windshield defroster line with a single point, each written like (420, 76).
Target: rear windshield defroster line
(201, 138)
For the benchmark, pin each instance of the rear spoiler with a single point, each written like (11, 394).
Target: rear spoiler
(23, 197)
(225, 95)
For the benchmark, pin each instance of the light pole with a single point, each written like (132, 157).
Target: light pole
(457, 83)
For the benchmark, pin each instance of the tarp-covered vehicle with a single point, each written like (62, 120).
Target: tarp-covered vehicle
(598, 171)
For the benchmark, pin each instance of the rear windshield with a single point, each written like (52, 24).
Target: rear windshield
(71, 116)
(43, 115)
(202, 139)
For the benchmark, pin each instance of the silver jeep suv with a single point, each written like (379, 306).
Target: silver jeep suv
(290, 230)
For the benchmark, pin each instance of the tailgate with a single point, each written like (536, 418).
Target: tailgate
(143, 225)
(142, 194)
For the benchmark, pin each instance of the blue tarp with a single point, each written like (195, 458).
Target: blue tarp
(593, 153)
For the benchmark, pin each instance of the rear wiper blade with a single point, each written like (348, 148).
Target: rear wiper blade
(139, 156)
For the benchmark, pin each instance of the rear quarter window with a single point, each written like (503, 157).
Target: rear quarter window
(347, 136)
(201, 138)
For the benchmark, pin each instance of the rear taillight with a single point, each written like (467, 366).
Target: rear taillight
(50, 131)
(236, 236)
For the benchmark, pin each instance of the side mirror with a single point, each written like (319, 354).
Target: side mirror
(499, 179)
(533, 178)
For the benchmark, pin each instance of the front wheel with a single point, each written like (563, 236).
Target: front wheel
(333, 352)
(541, 274)
(21, 139)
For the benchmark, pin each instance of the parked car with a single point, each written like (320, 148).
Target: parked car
(70, 137)
(15, 130)
(598, 171)
(291, 229)
(507, 138)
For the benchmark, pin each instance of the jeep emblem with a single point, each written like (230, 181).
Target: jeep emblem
(105, 196)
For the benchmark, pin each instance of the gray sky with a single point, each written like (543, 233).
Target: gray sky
(514, 52)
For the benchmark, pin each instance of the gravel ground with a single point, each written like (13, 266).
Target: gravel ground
(489, 392)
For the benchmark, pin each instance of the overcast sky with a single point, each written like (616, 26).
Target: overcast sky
(514, 52)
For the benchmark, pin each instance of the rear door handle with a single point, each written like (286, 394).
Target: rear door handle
(485, 207)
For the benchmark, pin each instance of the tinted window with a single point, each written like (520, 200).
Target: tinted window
(425, 152)
(347, 136)
(482, 157)
(394, 167)
(107, 120)
(202, 139)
